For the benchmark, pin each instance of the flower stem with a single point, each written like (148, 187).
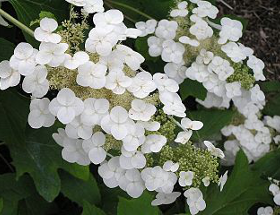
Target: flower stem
(16, 22)
(131, 8)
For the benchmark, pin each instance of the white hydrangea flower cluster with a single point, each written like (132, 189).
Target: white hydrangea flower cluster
(179, 39)
(110, 67)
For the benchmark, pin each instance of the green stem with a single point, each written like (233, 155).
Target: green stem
(16, 22)
(131, 8)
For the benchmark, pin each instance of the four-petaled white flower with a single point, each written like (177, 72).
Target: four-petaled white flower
(153, 177)
(51, 54)
(117, 81)
(182, 10)
(93, 147)
(140, 110)
(92, 75)
(23, 59)
(265, 211)
(40, 115)
(77, 129)
(78, 59)
(155, 46)
(93, 6)
(206, 9)
(201, 30)
(165, 84)
(66, 106)
(132, 160)
(147, 27)
(142, 85)
(153, 143)
(221, 67)
(44, 33)
(214, 151)
(94, 111)
(186, 178)
(172, 51)
(8, 76)
(166, 29)
(37, 82)
(195, 200)
(172, 104)
(170, 166)
(231, 30)
(134, 138)
(117, 123)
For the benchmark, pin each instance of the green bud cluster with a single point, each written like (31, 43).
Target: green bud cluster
(242, 74)
(167, 127)
(112, 144)
(191, 158)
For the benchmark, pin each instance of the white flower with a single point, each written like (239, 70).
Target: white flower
(175, 72)
(274, 189)
(93, 147)
(204, 57)
(51, 54)
(92, 75)
(186, 178)
(78, 59)
(132, 183)
(189, 41)
(221, 67)
(165, 84)
(182, 10)
(170, 166)
(233, 89)
(206, 9)
(195, 200)
(172, 51)
(37, 82)
(111, 172)
(257, 66)
(44, 33)
(23, 59)
(94, 111)
(223, 180)
(231, 30)
(117, 81)
(77, 129)
(132, 160)
(79, 3)
(276, 199)
(214, 151)
(201, 30)
(142, 85)
(265, 211)
(66, 106)
(155, 46)
(73, 152)
(112, 61)
(140, 110)
(163, 198)
(101, 41)
(206, 181)
(134, 138)
(8, 76)
(233, 51)
(153, 177)
(153, 143)
(273, 122)
(93, 6)
(166, 29)
(147, 27)
(183, 137)
(60, 137)
(130, 57)
(109, 20)
(193, 125)
(40, 115)
(117, 123)
(151, 125)
(172, 104)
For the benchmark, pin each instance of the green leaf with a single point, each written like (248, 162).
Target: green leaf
(28, 10)
(35, 152)
(89, 209)
(14, 193)
(213, 121)
(1, 205)
(78, 190)
(243, 189)
(272, 107)
(8, 47)
(269, 165)
(270, 86)
(192, 88)
(138, 206)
